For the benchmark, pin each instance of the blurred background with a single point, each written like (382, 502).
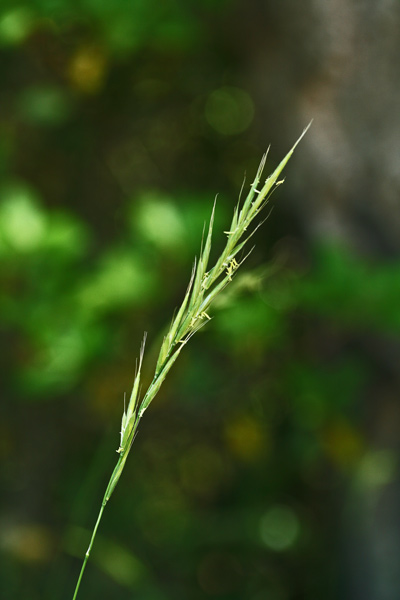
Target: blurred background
(267, 469)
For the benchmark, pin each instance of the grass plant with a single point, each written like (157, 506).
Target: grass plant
(205, 284)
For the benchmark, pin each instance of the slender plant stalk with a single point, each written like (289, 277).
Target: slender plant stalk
(204, 285)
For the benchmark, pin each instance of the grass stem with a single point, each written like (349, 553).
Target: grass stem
(204, 285)
(88, 550)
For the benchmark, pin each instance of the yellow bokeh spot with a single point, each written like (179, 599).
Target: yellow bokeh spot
(87, 69)
(30, 543)
(343, 444)
(245, 437)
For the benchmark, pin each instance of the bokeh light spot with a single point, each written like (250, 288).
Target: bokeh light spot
(45, 105)
(245, 437)
(15, 26)
(229, 110)
(377, 468)
(87, 68)
(23, 223)
(279, 528)
(121, 278)
(159, 221)
(29, 542)
(343, 443)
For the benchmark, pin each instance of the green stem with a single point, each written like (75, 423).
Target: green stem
(110, 488)
(90, 547)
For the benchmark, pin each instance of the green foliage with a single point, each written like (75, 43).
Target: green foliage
(67, 295)
(124, 25)
(66, 327)
(359, 292)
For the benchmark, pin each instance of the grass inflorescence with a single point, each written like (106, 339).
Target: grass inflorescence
(206, 282)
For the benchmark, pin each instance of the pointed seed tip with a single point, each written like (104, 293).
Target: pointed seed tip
(307, 127)
(301, 137)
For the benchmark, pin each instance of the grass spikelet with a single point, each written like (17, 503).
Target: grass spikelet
(129, 415)
(204, 286)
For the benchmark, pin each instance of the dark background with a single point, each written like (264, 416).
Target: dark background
(267, 468)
